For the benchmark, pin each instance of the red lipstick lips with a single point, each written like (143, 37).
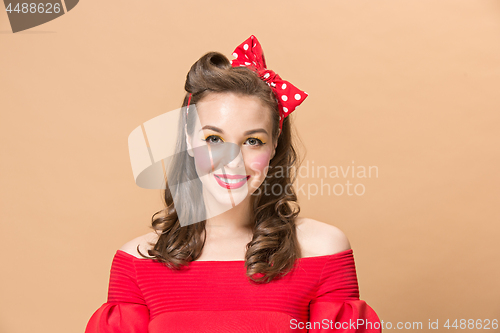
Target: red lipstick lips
(231, 181)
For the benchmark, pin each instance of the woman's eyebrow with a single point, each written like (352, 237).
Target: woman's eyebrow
(216, 129)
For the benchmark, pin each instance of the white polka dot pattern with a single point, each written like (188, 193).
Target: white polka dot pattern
(254, 59)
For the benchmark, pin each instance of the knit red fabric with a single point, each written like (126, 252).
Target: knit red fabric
(320, 294)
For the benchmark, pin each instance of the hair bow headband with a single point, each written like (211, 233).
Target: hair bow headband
(250, 54)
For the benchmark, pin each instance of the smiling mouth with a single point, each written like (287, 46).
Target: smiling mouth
(230, 181)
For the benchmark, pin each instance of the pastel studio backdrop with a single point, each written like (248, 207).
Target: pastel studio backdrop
(409, 87)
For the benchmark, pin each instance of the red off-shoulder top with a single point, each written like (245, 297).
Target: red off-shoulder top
(320, 294)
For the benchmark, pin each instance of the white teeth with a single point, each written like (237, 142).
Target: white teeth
(231, 181)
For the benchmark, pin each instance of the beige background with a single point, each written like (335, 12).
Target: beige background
(408, 86)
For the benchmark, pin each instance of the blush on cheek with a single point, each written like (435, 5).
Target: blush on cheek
(259, 163)
(202, 159)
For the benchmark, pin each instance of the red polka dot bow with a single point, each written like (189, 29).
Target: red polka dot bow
(250, 54)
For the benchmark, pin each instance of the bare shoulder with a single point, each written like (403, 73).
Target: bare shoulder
(319, 238)
(145, 242)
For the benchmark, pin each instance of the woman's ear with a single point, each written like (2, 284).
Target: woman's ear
(276, 144)
(188, 142)
(274, 150)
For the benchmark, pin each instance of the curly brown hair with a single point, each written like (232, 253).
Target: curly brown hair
(274, 248)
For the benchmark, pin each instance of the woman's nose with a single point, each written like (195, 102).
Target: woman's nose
(237, 161)
(223, 154)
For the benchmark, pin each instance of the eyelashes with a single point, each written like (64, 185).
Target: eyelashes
(209, 140)
(259, 141)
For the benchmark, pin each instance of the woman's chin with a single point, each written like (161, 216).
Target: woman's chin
(227, 198)
(222, 206)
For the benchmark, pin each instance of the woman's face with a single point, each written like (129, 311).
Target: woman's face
(240, 127)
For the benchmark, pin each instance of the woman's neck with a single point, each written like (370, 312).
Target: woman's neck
(236, 221)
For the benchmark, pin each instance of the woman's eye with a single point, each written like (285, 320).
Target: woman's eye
(255, 142)
(212, 139)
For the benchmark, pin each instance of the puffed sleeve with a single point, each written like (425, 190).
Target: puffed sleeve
(336, 306)
(125, 310)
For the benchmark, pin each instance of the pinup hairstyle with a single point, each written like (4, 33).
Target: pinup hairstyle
(274, 247)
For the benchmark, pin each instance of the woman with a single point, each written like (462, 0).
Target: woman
(251, 264)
